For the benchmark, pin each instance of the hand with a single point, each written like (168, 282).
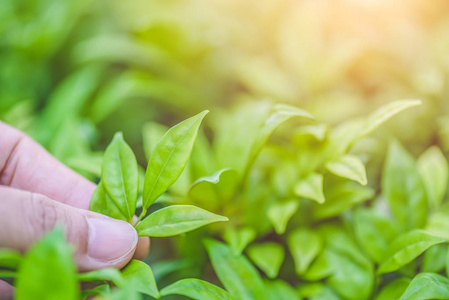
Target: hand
(38, 192)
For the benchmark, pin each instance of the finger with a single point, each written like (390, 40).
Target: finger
(100, 242)
(6, 291)
(25, 165)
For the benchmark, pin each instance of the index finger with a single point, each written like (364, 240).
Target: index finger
(26, 165)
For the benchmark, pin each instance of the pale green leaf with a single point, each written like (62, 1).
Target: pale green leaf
(433, 168)
(385, 113)
(107, 274)
(349, 166)
(304, 245)
(279, 213)
(238, 239)
(311, 187)
(268, 257)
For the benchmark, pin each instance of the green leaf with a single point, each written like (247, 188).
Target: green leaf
(373, 233)
(385, 113)
(406, 248)
(103, 290)
(152, 133)
(196, 289)
(304, 245)
(138, 276)
(268, 257)
(433, 168)
(238, 239)
(176, 219)
(427, 286)
(279, 213)
(345, 269)
(316, 131)
(48, 263)
(394, 289)
(169, 158)
(216, 188)
(280, 290)
(10, 258)
(434, 259)
(235, 272)
(102, 203)
(349, 166)
(340, 196)
(402, 185)
(280, 114)
(107, 274)
(120, 176)
(311, 187)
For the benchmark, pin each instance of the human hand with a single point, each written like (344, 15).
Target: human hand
(38, 192)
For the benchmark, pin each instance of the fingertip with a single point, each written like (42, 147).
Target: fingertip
(143, 247)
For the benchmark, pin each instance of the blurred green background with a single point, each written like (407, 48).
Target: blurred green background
(72, 73)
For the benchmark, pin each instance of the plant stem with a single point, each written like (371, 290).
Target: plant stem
(142, 215)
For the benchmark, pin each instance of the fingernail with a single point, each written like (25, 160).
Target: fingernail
(110, 239)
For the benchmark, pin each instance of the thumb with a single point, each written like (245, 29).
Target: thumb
(99, 241)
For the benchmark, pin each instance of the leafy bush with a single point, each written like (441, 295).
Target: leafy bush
(324, 201)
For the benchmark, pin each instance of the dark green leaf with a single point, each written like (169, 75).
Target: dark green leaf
(10, 258)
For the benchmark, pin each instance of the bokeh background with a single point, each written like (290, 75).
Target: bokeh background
(72, 73)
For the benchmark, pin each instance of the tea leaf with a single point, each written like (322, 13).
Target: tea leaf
(349, 166)
(386, 112)
(406, 248)
(138, 276)
(279, 213)
(434, 259)
(169, 158)
(394, 289)
(120, 176)
(235, 272)
(48, 263)
(102, 203)
(427, 286)
(238, 239)
(373, 233)
(107, 274)
(304, 245)
(10, 258)
(176, 219)
(280, 290)
(402, 185)
(311, 187)
(268, 257)
(433, 168)
(196, 289)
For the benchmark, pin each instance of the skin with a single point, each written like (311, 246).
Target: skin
(38, 192)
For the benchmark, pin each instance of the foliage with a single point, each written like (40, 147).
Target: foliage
(326, 201)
